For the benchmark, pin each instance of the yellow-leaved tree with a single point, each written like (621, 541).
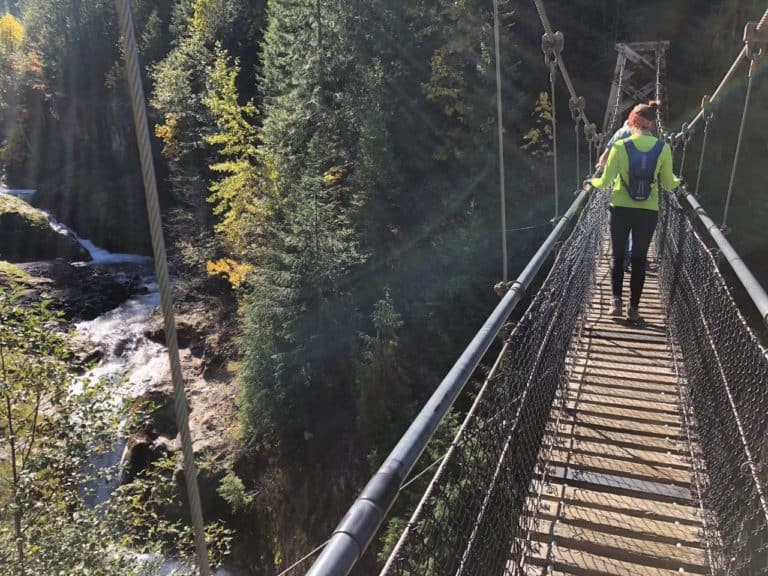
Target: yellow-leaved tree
(11, 35)
(15, 68)
(246, 196)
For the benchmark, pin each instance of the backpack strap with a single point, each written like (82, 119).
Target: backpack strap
(631, 149)
(654, 153)
(630, 146)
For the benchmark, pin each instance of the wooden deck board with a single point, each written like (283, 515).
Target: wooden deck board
(625, 505)
(623, 438)
(631, 454)
(618, 493)
(579, 563)
(640, 551)
(614, 522)
(622, 394)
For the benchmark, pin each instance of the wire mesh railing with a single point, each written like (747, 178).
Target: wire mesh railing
(726, 371)
(475, 516)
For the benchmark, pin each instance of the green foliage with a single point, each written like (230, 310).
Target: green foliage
(383, 398)
(50, 426)
(245, 199)
(299, 319)
(180, 88)
(140, 513)
(53, 428)
(10, 274)
(408, 500)
(17, 71)
(234, 493)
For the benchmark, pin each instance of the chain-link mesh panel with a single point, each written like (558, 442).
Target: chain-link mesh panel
(474, 517)
(727, 374)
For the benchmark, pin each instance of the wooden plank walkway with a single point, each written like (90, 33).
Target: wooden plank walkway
(619, 497)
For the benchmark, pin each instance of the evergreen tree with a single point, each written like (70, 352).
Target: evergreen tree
(204, 31)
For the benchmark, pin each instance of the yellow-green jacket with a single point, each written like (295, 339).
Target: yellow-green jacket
(616, 173)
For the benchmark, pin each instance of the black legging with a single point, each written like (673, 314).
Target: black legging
(641, 223)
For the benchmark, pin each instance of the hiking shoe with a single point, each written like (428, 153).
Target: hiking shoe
(616, 307)
(633, 315)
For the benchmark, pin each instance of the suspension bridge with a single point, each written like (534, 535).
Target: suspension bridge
(593, 447)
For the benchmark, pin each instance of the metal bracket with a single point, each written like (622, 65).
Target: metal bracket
(599, 139)
(686, 132)
(576, 106)
(552, 46)
(590, 132)
(501, 288)
(756, 40)
(505, 333)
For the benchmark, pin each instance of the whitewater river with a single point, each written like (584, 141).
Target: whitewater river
(129, 360)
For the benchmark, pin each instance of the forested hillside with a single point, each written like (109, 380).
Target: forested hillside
(330, 170)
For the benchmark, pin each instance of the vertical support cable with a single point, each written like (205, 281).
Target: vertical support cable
(133, 72)
(659, 123)
(578, 167)
(701, 157)
(552, 45)
(616, 90)
(552, 82)
(707, 114)
(750, 77)
(685, 134)
(576, 106)
(500, 130)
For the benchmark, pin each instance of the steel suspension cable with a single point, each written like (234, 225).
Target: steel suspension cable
(708, 114)
(657, 94)
(731, 71)
(753, 57)
(685, 135)
(615, 115)
(133, 72)
(500, 131)
(560, 63)
(578, 168)
(552, 82)
(577, 113)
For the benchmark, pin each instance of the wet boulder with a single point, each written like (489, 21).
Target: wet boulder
(26, 235)
(80, 292)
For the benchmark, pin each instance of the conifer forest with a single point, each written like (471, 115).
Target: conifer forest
(329, 185)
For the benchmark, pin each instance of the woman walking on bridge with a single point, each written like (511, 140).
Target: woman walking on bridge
(636, 167)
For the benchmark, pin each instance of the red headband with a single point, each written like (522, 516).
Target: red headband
(636, 120)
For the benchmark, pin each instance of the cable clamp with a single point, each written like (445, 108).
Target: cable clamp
(576, 106)
(746, 467)
(501, 288)
(590, 132)
(707, 108)
(756, 40)
(599, 138)
(686, 132)
(507, 329)
(552, 46)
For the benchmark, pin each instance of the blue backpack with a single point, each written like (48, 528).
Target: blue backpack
(642, 169)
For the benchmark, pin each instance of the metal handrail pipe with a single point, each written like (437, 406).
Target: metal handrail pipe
(743, 273)
(364, 518)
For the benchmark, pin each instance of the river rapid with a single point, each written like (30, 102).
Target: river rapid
(129, 360)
